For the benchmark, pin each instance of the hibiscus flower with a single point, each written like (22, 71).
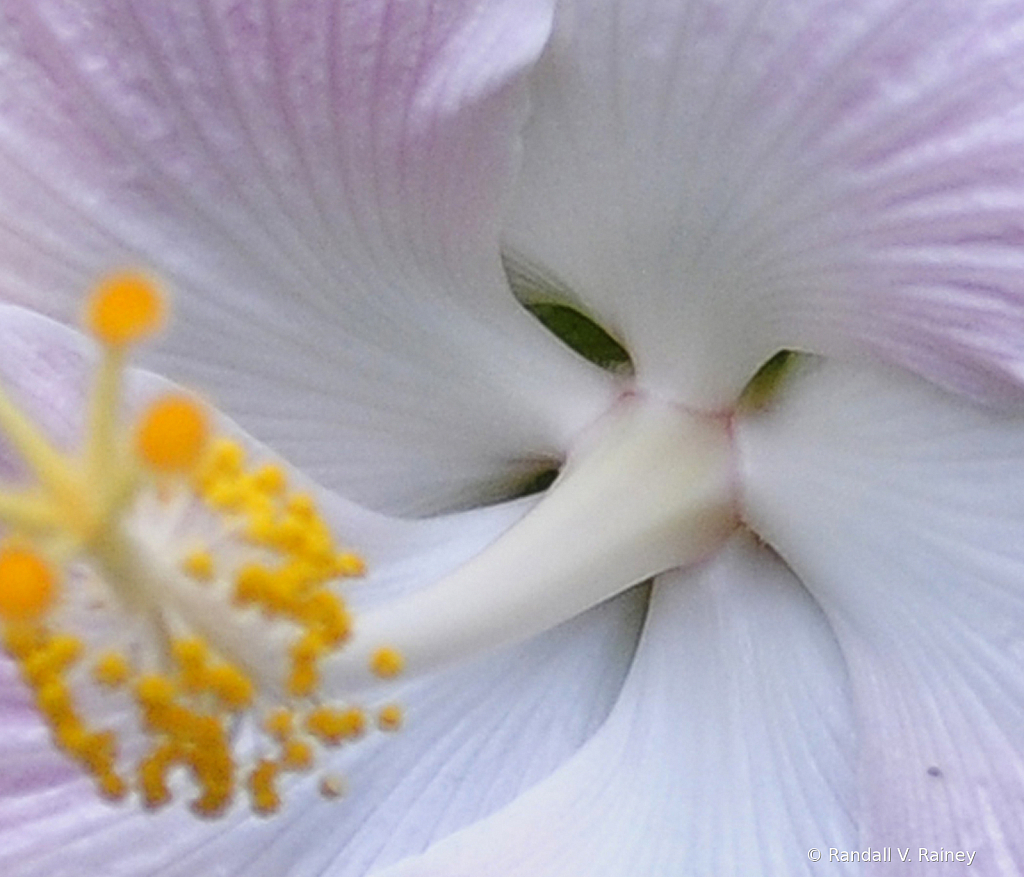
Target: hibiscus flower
(829, 654)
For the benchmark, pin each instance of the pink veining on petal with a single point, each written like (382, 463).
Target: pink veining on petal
(717, 180)
(321, 183)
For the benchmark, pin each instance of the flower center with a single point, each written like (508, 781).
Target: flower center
(650, 488)
(155, 576)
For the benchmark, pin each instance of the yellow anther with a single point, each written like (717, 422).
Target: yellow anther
(251, 583)
(98, 750)
(301, 505)
(296, 755)
(234, 689)
(54, 701)
(124, 308)
(325, 612)
(280, 723)
(270, 479)
(262, 787)
(70, 734)
(111, 786)
(303, 680)
(154, 690)
(199, 565)
(111, 669)
(22, 640)
(349, 565)
(328, 725)
(28, 585)
(310, 647)
(225, 458)
(172, 434)
(389, 718)
(212, 802)
(152, 776)
(64, 649)
(191, 652)
(353, 723)
(191, 656)
(387, 662)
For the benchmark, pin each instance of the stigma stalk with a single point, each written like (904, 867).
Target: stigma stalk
(650, 488)
(225, 575)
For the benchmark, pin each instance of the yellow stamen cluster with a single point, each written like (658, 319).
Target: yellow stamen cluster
(45, 660)
(272, 557)
(301, 561)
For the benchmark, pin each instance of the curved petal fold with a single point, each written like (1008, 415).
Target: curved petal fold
(320, 183)
(718, 180)
(901, 508)
(729, 751)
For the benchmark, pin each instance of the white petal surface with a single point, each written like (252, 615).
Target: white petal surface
(473, 739)
(719, 179)
(902, 509)
(320, 182)
(728, 753)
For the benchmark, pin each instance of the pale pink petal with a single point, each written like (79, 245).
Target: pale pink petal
(729, 752)
(901, 509)
(320, 184)
(719, 179)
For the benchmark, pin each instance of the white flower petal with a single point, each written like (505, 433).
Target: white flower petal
(729, 751)
(717, 180)
(321, 183)
(901, 508)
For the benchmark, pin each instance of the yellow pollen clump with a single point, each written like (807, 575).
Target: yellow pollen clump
(27, 585)
(280, 723)
(333, 726)
(111, 669)
(124, 308)
(172, 435)
(349, 565)
(263, 787)
(296, 755)
(199, 565)
(387, 662)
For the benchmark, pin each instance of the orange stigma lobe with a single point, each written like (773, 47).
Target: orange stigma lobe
(172, 435)
(27, 585)
(124, 308)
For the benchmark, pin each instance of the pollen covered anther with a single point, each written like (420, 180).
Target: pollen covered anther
(154, 568)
